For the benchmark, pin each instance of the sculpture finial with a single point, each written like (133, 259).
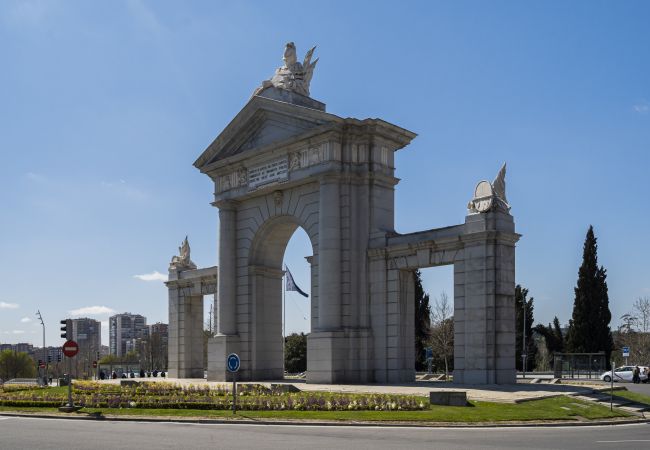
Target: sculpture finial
(292, 76)
(182, 261)
(499, 184)
(490, 196)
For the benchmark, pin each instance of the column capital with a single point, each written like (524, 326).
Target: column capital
(330, 178)
(226, 205)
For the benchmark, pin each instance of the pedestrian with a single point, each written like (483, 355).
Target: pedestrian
(635, 375)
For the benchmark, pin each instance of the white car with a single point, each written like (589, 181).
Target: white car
(624, 373)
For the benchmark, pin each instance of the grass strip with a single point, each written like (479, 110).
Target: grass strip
(551, 409)
(633, 396)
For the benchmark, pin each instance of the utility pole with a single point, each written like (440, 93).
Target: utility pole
(40, 317)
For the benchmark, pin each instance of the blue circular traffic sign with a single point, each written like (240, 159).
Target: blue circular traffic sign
(233, 362)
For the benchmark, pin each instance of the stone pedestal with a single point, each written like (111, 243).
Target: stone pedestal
(343, 356)
(219, 347)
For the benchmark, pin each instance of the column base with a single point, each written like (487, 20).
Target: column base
(341, 356)
(219, 347)
(477, 376)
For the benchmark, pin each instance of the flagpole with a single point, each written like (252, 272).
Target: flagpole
(284, 317)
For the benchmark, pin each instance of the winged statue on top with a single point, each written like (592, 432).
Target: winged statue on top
(292, 76)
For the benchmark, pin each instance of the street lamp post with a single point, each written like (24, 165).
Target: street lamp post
(40, 317)
(523, 350)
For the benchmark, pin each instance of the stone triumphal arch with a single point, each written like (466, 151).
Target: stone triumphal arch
(284, 162)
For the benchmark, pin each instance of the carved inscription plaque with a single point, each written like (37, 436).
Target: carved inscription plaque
(270, 172)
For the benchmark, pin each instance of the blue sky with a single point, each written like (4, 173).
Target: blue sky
(105, 105)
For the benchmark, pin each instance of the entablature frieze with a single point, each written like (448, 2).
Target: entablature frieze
(422, 251)
(194, 282)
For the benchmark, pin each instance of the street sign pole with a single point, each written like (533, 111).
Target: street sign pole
(232, 364)
(70, 350)
(234, 393)
(626, 353)
(70, 404)
(611, 391)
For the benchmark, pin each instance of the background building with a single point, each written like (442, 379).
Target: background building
(155, 347)
(88, 334)
(123, 329)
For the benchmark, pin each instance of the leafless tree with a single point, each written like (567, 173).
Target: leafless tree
(642, 308)
(442, 329)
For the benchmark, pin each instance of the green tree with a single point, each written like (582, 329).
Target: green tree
(16, 365)
(109, 359)
(589, 329)
(422, 322)
(295, 353)
(552, 334)
(521, 299)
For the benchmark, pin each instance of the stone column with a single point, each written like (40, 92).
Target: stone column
(329, 254)
(174, 345)
(484, 335)
(227, 287)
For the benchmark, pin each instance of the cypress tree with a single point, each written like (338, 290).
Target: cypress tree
(531, 345)
(422, 322)
(553, 338)
(589, 330)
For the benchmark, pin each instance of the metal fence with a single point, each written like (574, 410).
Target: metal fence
(579, 365)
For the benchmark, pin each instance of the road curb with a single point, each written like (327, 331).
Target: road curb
(331, 423)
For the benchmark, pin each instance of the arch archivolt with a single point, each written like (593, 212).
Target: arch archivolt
(264, 226)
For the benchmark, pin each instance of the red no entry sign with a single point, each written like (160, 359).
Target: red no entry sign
(70, 348)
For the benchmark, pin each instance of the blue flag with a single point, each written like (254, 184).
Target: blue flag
(291, 285)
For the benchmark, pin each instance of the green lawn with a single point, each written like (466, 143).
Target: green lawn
(634, 396)
(557, 408)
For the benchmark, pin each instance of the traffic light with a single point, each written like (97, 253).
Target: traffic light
(65, 332)
(49, 358)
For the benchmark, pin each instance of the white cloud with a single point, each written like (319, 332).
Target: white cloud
(146, 18)
(153, 276)
(643, 107)
(15, 332)
(123, 188)
(92, 311)
(5, 305)
(35, 177)
(25, 320)
(28, 12)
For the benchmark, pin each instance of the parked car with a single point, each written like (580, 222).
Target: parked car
(624, 373)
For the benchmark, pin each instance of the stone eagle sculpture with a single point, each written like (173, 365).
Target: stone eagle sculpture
(292, 76)
(490, 196)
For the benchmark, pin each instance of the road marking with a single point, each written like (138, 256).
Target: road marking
(5, 418)
(623, 441)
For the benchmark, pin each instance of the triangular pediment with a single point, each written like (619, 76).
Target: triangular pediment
(268, 128)
(260, 124)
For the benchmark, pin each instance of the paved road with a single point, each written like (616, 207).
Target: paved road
(641, 388)
(31, 433)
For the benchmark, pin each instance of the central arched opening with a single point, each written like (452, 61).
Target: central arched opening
(278, 312)
(297, 290)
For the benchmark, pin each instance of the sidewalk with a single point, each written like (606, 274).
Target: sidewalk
(492, 393)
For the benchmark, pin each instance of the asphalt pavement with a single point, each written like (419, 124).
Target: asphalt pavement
(30, 433)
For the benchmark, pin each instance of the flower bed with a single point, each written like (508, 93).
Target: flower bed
(251, 397)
